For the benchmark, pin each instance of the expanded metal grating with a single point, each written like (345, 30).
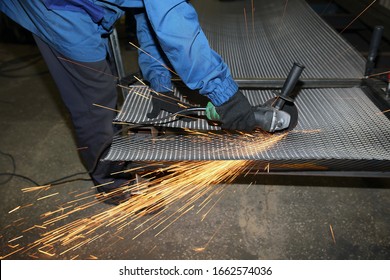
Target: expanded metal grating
(264, 41)
(334, 124)
(338, 128)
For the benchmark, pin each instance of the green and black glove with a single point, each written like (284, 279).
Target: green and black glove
(235, 114)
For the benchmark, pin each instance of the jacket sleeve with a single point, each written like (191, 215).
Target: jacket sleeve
(151, 59)
(177, 28)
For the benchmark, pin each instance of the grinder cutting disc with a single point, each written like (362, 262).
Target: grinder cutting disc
(290, 108)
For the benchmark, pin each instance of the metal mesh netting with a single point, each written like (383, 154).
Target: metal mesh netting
(264, 41)
(333, 124)
(338, 128)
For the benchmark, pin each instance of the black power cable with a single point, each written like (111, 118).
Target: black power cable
(11, 174)
(59, 181)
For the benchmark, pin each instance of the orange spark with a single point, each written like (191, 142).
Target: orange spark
(139, 80)
(267, 168)
(13, 210)
(246, 23)
(201, 249)
(358, 16)
(10, 254)
(87, 67)
(104, 107)
(331, 231)
(46, 253)
(148, 54)
(47, 196)
(36, 188)
(189, 182)
(14, 239)
(378, 74)
(155, 246)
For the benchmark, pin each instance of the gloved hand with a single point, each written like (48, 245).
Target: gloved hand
(237, 113)
(166, 101)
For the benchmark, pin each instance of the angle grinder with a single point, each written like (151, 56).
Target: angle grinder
(278, 113)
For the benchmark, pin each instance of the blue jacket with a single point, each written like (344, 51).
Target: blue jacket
(78, 29)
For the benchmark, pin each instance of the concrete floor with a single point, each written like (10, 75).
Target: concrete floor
(274, 218)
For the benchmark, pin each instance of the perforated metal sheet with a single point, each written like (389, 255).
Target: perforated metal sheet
(334, 124)
(264, 41)
(338, 129)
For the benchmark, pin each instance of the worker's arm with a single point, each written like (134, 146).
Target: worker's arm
(152, 61)
(180, 36)
(177, 28)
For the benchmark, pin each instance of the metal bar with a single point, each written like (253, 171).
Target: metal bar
(116, 54)
(303, 83)
(344, 174)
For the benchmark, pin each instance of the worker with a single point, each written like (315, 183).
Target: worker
(72, 36)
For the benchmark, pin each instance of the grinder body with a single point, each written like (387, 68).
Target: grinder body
(276, 114)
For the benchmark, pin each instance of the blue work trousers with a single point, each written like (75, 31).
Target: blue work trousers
(83, 85)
